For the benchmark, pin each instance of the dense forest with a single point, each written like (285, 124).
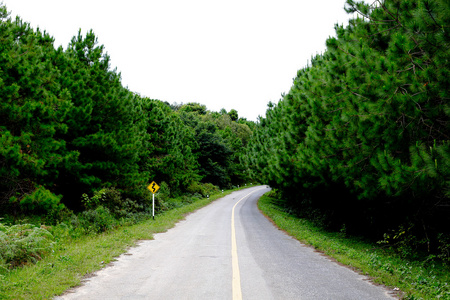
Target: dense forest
(361, 141)
(73, 137)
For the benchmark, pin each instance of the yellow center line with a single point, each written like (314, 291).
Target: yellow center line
(237, 293)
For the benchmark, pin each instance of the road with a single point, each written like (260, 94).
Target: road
(226, 250)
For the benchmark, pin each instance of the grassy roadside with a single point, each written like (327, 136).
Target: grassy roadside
(412, 279)
(74, 258)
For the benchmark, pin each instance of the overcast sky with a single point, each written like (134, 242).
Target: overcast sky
(224, 54)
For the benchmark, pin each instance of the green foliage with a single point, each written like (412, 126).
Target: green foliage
(32, 109)
(362, 137)
(169, 154)
(105, 124)
(70, 129)
(213, 155)
(164, 191)
(97, 220)
(112, 200)
(22, 244)
(220, 142)
(95, 200)
(404, 242)
(233, 115)
(41, 200)
(203, 189)
(195, 108)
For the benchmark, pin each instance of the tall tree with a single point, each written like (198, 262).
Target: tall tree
(104, 124)
(33, 110)
(369, 119)
(169, 151)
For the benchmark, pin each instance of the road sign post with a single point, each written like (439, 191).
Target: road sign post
(153, 187)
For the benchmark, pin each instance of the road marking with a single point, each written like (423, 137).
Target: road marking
(237, 292)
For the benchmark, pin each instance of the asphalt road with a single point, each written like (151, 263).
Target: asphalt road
(227, 250)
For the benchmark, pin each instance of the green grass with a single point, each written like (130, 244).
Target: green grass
(415, 279)
(74, 258)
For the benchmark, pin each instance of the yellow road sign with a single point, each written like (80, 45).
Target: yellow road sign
(153, 187)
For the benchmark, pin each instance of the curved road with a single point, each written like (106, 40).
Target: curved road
(226, 250)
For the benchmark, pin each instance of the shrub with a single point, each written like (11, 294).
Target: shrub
(40, 200)
(203, 189)
(111, 199)
(21, 244)
(97, 220)
(164, 192)
(54, 217)
(92, 202)
(210, 188)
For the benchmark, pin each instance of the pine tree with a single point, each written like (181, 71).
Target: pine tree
(33, 110)
(170, 145)
(103, 124)
(368, 118)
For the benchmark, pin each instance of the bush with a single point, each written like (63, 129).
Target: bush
(21, 244)
(111, 199)
(55, 217)
(61, 231)
(203, 189)
(97, 199)
(210, 188)
(97, 220)
(163, 193)
(40, 200)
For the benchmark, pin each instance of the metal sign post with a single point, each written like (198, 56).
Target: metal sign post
(153, 207)
(153, 187)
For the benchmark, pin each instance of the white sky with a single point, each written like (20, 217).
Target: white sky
(224, 54)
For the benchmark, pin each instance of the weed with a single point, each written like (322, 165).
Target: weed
(98, 220)
(21, 244)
